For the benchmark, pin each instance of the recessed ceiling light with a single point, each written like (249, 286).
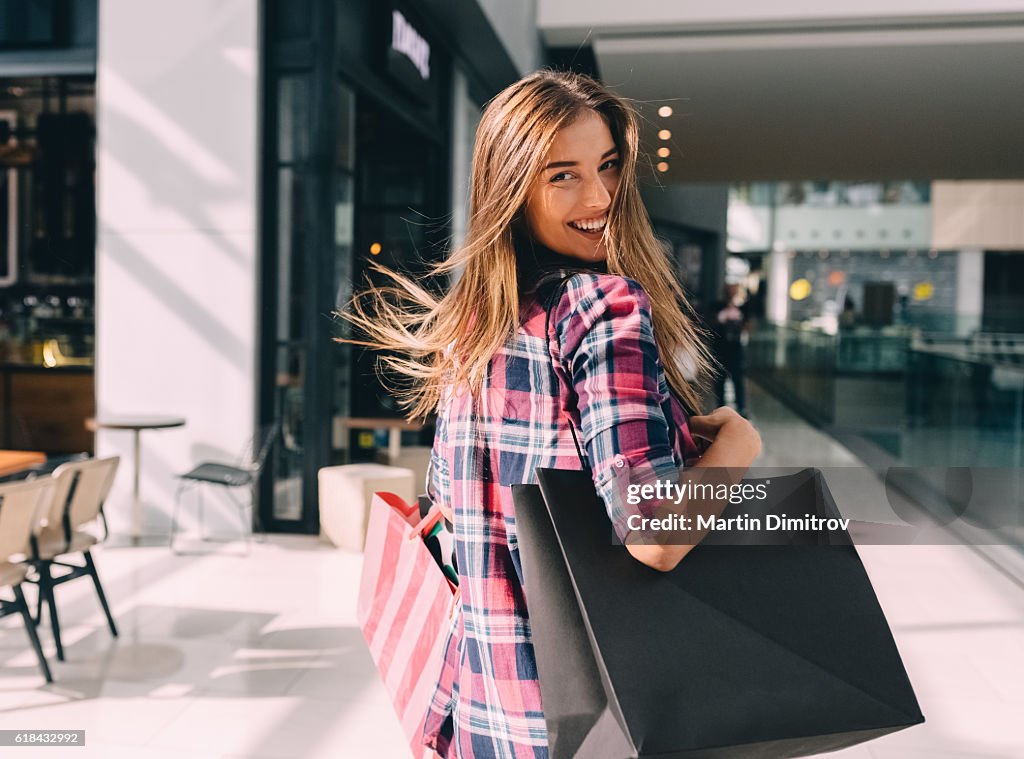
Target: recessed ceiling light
(375, 249)
(665, 111)
(664, 152)
(663, 166)
(664, 134)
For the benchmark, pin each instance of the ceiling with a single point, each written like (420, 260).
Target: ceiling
(897, 102)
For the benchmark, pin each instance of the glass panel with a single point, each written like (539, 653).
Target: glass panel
(287, 456)
(293, 131)
(286, 463)
(8, 226)
(292, 20)
(291, 243)
(343, 242)
(345, 137)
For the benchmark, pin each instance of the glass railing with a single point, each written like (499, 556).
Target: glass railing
(943, 411)
(832, 194)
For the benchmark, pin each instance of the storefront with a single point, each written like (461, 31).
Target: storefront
(47, 224)
(365, 159)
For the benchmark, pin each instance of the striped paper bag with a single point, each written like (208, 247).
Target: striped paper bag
(404, 608)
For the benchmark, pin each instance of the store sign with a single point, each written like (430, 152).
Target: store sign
(410, 43)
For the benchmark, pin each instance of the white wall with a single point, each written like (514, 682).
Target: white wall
(970, 287)
(465, 120)
(568, 21)
(978, 215)
(516, 25)
(177, 118)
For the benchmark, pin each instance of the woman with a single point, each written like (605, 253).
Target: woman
(514, 366)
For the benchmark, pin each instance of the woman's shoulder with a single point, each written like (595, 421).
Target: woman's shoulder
(591, 296)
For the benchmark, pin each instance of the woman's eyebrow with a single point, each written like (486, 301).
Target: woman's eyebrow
(567, 164)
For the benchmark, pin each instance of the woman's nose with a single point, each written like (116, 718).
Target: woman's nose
(595, 194)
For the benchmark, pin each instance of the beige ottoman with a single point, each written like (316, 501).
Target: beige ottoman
(345, 495)
(414, 457)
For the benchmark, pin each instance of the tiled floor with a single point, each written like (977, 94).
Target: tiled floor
(260, 656)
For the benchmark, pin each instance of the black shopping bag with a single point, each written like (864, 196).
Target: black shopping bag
(741, 651)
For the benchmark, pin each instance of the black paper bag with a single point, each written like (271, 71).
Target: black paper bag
(741, 651)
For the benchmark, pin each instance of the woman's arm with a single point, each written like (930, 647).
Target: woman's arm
(734, 446)
(604, 329)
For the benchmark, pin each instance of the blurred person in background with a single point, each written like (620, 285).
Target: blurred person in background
(727, 320)
(509, 359)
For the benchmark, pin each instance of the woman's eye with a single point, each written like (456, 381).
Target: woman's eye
(561, 176)
(611, 163)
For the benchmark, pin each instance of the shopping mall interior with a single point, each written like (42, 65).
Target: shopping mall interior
(190, 191)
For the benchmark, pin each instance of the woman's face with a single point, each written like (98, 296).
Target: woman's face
(567, 207)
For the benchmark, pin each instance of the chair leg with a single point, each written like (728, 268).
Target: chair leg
(46, 588)
(174, 514)
(30, 628)
(257, 524)
(241, 508)
(39, 604)
(246, 529)
(202, 512)
(90, 565)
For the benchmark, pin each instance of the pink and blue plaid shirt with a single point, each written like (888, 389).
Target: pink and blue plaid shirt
(610, 381)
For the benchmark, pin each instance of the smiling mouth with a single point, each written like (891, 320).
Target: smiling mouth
(590, 227)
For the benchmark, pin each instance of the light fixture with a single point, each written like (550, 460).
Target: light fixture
(664, 152)
(664, 134)
(662, 166)
(665, 111)
(800, 289)
(375, 249)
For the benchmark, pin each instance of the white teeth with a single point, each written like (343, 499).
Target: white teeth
(590, 225)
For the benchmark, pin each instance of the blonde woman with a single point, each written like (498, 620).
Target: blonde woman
(513, 367)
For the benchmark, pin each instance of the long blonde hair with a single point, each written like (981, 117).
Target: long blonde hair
(434, 340)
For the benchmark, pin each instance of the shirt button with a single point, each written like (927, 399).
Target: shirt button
(619, 461)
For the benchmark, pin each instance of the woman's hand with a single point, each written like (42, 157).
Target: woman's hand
(732, 441)
(708, 426)
(733, 444)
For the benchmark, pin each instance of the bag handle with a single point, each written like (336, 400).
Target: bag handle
(424, 526)
(550, 303)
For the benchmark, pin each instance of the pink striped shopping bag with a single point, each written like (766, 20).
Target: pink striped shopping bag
(405, 605)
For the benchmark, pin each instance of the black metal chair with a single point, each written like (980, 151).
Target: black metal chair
(229, 477)
(21, 508)
(80, 488)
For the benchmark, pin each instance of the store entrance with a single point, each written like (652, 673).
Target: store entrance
(400, 225)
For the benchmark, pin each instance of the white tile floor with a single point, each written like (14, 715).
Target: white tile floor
(226, 656)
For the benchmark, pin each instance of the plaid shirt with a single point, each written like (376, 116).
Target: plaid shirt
(610, 381)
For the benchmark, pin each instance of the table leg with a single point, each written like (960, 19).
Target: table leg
(136, 502)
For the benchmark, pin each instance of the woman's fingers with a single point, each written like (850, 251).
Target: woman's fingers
(704, 427)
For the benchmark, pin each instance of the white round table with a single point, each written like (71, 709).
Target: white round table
(136, 424)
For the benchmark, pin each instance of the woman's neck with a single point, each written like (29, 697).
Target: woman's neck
(538, 262)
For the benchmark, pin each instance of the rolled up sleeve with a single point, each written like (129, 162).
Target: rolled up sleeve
(605, 335)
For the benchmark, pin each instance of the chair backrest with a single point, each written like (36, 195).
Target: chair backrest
(80, 488)
(267, 437)
(23, 505)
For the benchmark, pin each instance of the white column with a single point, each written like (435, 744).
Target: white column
(177, 151)
(970, 288)
(777, 305)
